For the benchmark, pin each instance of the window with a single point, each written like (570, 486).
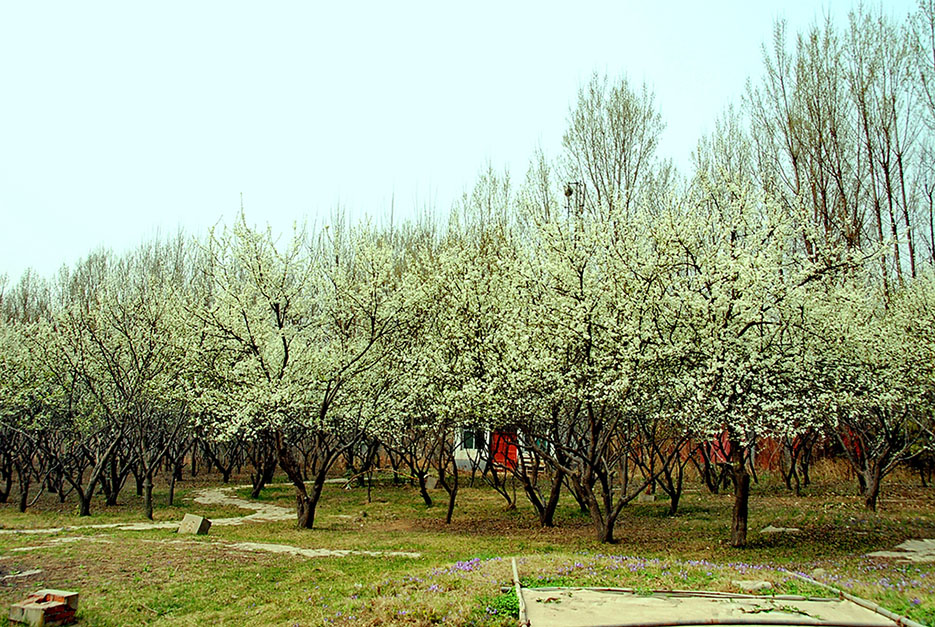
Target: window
(473, 439)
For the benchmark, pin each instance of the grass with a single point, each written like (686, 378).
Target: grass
(155, 577)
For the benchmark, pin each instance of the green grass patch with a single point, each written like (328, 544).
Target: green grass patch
(462, 567)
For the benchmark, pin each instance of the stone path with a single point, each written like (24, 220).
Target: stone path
(294, 550)
(919, 551)
(262, 512)
(68, 540)
(117, 526)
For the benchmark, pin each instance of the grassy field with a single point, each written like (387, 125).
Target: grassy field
(156, 577)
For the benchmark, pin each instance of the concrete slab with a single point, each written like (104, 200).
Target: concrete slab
(583, 607)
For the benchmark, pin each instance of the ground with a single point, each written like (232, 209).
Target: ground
(399, 564)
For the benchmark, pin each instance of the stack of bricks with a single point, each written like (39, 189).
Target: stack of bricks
(46, 608)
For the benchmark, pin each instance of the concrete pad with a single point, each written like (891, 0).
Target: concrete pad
(582, 607)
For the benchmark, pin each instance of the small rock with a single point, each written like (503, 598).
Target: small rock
(194, 525)
(430, 483)
(645, 498)
(819, 572)
(752, 585)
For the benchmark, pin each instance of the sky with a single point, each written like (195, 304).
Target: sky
(121, 121)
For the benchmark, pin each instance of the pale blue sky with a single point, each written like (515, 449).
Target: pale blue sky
(122, 119)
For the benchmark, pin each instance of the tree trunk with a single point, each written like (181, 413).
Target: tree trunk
(546, 510)
(305, 507)
(675, 495)
(861, 481)
(269, 471)
(61, 490)
(172, 480)
(871, 488)
(450, 487)
(23, 493)
(706, 469)
(264, 474)
(258, 480)
(738, 528)
(605, 533)
(548, 518)
(305, 512)
(452, 495)
(139, 480)
(84, 503)
(8, 486)
(532, 495)
(305, 504)
(110, 487)
(148, 496)
(603, 525)
(423, 492)
(575, 491)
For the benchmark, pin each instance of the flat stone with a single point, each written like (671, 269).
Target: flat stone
(772, 529)
(25, 573)
(752, 585)
(645, 498)
(430, 483)
(819, 572)
(921, 550)
(194, 525)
